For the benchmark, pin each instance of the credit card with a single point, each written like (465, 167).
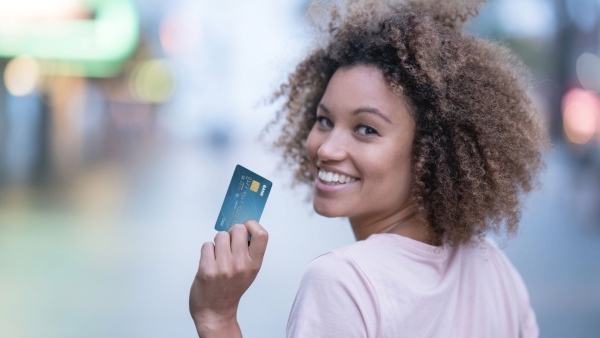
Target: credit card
(245, 199)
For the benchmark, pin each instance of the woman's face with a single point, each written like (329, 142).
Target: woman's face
(360, 147)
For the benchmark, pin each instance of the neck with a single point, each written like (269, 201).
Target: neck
(403, 222)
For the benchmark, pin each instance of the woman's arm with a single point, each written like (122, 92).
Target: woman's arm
(227, 268)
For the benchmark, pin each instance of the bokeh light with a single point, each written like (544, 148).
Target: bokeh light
(180, 31)
(24, 10)
(588, 72)
(515, 17)
(152, 81)
(21, 75)
(581, 114)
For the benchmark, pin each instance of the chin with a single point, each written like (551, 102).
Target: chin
(328, 210)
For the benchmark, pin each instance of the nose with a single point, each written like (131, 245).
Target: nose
(333, 147)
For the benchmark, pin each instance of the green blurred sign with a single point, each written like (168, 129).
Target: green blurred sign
(96, 47)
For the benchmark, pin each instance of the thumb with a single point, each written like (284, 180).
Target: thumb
(258, 243)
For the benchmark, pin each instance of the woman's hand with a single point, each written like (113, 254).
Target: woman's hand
(227, 268)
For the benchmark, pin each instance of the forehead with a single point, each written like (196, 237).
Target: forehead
(363, 86)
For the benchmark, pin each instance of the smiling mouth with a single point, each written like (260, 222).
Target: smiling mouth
(334, 178)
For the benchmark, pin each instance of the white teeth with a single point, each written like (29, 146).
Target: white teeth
(329, 177)
(334, 177)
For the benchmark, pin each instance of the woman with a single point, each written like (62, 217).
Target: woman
(425, 139)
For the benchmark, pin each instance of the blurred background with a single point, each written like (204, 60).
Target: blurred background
(121, 122)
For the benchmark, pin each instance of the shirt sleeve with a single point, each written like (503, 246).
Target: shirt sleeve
(528, 322)
(335, 299)
(528, 326)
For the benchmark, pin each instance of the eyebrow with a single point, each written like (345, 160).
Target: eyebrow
(361, 110)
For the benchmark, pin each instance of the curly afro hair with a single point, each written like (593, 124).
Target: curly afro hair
(479, 140)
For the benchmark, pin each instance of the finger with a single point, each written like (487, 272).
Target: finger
(222, 247)
(207, 256)
(239, 239)
(258, 242)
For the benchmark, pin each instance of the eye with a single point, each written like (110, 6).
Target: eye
(366, 130)
(324, 122)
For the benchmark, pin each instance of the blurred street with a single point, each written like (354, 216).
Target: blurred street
(76, 276)
(113, 171)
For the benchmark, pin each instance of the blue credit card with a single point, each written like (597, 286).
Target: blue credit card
(245, 199)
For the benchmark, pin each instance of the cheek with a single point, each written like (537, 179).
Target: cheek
(312, 146)
(402, 172)
(390, 171)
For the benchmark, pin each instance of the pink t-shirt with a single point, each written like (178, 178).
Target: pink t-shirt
(392, 286)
